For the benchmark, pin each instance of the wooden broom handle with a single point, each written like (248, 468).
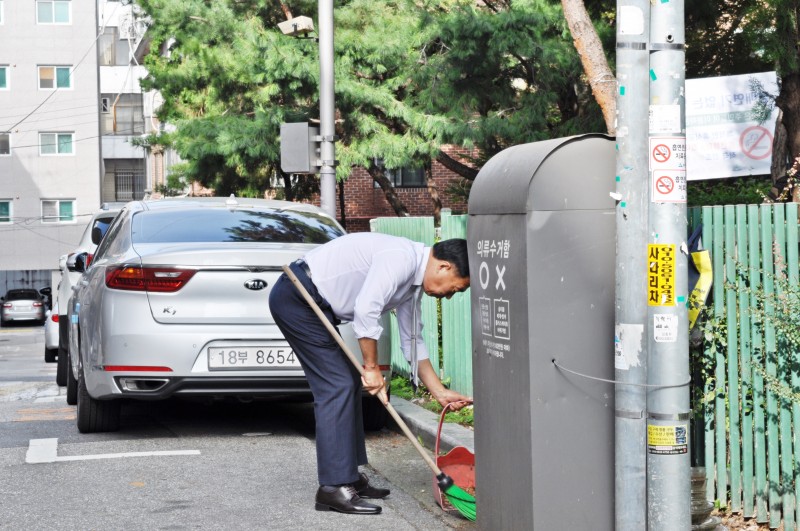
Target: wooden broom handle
(382, 394)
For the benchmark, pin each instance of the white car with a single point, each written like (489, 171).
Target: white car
(51, 334)
(175, 303)
(94, 232)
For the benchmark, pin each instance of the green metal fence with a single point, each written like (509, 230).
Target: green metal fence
(751, 396)
(456, 362)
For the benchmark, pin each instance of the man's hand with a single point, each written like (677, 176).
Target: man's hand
(457, 400)
(373, 381)
(442, 394)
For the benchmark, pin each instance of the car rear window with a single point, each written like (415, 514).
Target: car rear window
(22, 294)
(224, 225)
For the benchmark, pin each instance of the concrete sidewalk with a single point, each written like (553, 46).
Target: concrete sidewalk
(424, 423)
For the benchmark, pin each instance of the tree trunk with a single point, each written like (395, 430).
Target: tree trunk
(437, 202)
(789, 103)
(467, 172)
(779, 156)
(379, 177)
(593, 59)
(287, 186)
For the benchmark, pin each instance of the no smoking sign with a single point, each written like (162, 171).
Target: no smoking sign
(669, 186)
(667, 153)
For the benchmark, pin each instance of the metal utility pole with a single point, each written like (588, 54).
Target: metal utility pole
(630, 354)
(327, 110)
(668, 465)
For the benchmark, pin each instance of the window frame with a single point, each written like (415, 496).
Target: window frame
(10, 219)
(55, 77)
(53, 12)
(393, 174)
(5, 68)
(58, 219)
(7, 133)
(57, 144)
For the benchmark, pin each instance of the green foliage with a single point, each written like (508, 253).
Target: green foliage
(736, 191)
(402, 388)
(410, 76)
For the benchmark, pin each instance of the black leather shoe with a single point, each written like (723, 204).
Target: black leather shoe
(367, 491)
(345, 500)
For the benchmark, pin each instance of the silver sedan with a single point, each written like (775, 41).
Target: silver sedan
(174, 303)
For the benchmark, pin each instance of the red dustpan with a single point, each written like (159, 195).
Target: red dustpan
(458, 463)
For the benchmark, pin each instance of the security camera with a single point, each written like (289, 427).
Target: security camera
(297, 26)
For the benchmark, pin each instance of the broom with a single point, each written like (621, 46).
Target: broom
(458, 497)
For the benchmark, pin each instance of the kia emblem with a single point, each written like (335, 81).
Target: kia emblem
(255, 284)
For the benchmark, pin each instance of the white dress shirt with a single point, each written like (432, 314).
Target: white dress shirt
(364, 275)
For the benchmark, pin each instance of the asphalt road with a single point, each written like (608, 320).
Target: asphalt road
(178, 464)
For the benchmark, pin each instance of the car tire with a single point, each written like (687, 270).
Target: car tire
(72, 385)
(374, 413)
(61, 368)
(95, 415)
(50, 355)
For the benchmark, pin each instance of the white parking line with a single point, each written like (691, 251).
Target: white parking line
(46, 451)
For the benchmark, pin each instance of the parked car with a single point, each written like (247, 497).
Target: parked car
(94, 232)
(175, 303)
(22, 305)
(51, 334)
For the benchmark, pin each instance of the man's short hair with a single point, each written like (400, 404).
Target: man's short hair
(455, 252)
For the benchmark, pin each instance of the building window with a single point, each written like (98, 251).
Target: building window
(5, 144)
(55, 77)
(56, 143)
(129, 184)
(107, 47)
(58, 210)
(53, 11)
(3, 77)
(404, 177)
(125, 114)
(105, 105)
(5, 211)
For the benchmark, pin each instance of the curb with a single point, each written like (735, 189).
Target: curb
(424, 424)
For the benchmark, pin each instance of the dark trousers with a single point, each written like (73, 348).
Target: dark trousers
(335, 383)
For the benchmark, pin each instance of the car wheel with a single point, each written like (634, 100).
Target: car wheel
(374, 412)
(61, 368)
(50, 355)
(72, 385)
(95, 415)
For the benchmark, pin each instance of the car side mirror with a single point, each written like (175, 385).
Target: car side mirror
(97, 235)
(81, 262)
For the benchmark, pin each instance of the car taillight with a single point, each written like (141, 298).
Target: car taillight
(37, 304)
(54, 317)
(8, 305)
(137, 278)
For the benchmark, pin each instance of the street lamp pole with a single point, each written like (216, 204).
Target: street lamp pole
(327, 110)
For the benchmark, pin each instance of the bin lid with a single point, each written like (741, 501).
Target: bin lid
(571, 173)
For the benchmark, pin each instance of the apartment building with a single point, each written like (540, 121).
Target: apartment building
(70, 110)
(49, 131)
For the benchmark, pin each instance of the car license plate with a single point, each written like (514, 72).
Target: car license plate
(248, 357)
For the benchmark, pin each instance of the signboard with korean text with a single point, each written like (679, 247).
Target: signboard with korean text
(723, 138)
(661, 274)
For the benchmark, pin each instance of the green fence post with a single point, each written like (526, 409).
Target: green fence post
(784, 378)
(733, 358)
(720, 417)
(793, 278)
(773, 446)
(743, 260)
(757, 333)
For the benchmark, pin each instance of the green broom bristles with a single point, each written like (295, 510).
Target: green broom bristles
(458, 497)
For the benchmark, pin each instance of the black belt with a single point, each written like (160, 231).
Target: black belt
(304, 266)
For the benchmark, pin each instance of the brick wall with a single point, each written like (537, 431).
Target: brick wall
(364, 201)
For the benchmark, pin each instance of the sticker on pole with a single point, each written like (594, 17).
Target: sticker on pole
(667, 440)
(667, 153)
(669, 186)
(665, 328)
(661, 274)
